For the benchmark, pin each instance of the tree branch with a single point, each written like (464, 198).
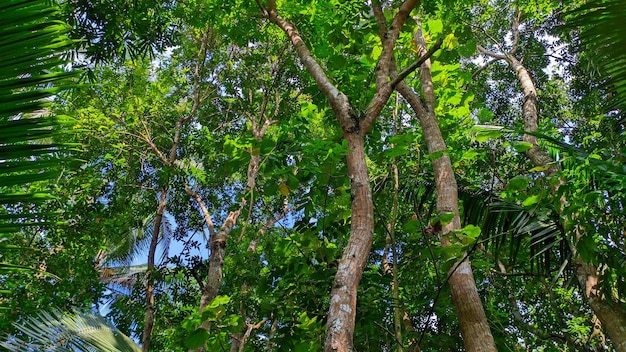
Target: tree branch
(338, 100)
(490, 53)
(414, 66)
(515, 30)
(388, 40)
(484, 67)
(203, 208)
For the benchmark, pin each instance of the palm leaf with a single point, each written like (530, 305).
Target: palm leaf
(600, 26)
(56, 331)
(31, 72)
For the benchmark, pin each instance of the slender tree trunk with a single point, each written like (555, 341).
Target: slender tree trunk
(149, 317)
(472, 319)
(343, 297)
(217, 241)
(342, 311)
(392, 268)
(612, 316)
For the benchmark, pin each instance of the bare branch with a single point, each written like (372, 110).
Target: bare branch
(203, 208)
(380, 18)
(484, 67)
(515, 30)
(414, 66)
(338, 100)
(388, 40)
(246, 336)
(490, 53)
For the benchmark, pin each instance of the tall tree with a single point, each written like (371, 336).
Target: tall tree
(354, 126)
(474, 324)
(612, 316)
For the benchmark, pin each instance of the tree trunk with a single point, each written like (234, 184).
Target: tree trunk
(149, 317)
(475, 329)
(342, 311)
(612, 316)
(343, 298)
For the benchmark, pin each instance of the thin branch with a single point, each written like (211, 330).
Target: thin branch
(246, 335)
(203, 208)
(388, 40)
(337, 99)
(484, 67)
(388, 332)
(515, 30)
(490, 53)
(484, 32)
(380, 18)
(198, 279)
(414, 66)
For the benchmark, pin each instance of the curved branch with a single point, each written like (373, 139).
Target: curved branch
(388, 39)
(414, 66)
(490, 53)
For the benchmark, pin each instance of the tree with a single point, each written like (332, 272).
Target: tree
(229, 138)
(27, 78)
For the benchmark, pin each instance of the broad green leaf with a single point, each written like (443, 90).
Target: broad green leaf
(471, 231)
(518, 183)
(434, 27)
(483, 133)
(522, 146)
(197, 338)
(532, 200)
(443, 218)
(467, 48)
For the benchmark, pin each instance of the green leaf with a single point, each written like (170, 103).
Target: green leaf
(483, 133)
(436, 155)
(587, 249)
(468, 48)
(518, 183)
(485, 115)
(197, 338)
(531, 200)
(443, 218)
(522, 146)
(434, 27)
(471, 231)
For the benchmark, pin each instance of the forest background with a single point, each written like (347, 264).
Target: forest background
(299, 176)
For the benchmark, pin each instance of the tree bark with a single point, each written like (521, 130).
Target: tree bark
(474, 325)
(611, 316)
(343, 297)
(149, 317)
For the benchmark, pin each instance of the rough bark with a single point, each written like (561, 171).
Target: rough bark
(218, 240)
(472, 319)
(611, 316)
(149, 317)
(343, 298)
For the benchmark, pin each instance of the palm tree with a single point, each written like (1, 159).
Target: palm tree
(56, 331)
(600, 28)
(33, 42)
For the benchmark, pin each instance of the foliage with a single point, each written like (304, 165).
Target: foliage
(57, 331)
(32, 148)
(294, 215)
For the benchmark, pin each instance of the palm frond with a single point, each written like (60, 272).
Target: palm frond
(600, 26)
(56, 331)
(31, 71)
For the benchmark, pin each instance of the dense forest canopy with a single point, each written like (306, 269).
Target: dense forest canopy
(331, 175)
